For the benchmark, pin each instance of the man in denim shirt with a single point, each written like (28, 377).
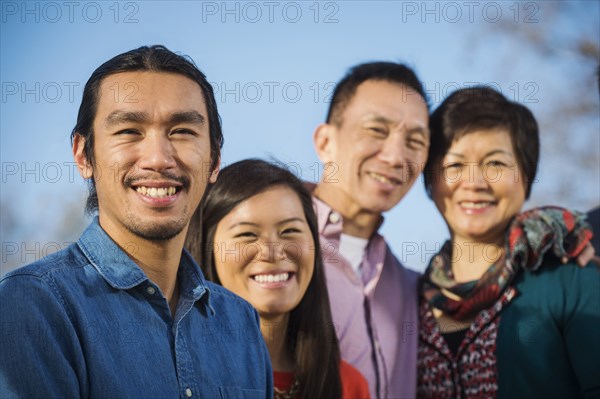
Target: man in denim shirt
(125, 312)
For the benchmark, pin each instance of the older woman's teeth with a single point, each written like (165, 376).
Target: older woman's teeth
(271, 278)
(156, 192)
(475, 205)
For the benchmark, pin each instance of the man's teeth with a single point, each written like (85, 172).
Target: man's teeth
(271, 278)
(383, 179)
(156, 192)
(475, 205)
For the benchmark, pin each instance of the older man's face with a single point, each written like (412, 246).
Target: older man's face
(379, 146)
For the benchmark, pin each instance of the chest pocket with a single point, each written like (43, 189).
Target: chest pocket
(239, 393)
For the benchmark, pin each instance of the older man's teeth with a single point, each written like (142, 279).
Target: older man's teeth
(475, 205)
(271, 278)
(154, 192)
(383, 179)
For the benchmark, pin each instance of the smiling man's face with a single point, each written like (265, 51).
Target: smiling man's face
(378, 147)
(152, 153)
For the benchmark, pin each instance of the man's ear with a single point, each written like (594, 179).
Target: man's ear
(212, 178)
(84, 166)
(325, 142)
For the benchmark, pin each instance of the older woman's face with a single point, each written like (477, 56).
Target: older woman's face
(264, 251)
(480, 187)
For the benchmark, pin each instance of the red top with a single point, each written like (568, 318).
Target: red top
(354, 385)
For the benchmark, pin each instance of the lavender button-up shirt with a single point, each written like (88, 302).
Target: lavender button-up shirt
(377, 318)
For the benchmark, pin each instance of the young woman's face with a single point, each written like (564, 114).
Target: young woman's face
(480, 188)
(264, 251)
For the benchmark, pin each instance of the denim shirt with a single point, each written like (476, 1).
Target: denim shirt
(87, 322)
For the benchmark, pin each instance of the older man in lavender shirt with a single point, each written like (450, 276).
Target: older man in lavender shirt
(373, 146)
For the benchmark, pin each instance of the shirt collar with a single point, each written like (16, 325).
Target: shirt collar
(121, 272)
(330, 221)
(191, 279)
(330, 227)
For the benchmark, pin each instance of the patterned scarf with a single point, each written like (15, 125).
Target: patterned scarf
(530, 235)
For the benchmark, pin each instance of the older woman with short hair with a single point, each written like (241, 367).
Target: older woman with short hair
(497, 317)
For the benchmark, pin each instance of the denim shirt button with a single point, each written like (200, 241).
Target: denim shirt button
(188, 393)
(151, 290)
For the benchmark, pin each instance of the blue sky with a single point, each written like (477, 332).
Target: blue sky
(273, 65)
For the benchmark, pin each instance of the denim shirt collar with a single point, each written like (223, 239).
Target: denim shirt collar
(120, 272)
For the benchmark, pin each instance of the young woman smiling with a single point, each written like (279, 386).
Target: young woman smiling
(256, 234)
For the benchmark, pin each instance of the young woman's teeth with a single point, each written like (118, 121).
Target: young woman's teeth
(271, 278)
(156, 192)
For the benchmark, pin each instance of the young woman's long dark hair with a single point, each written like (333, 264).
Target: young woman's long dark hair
(310, 326)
